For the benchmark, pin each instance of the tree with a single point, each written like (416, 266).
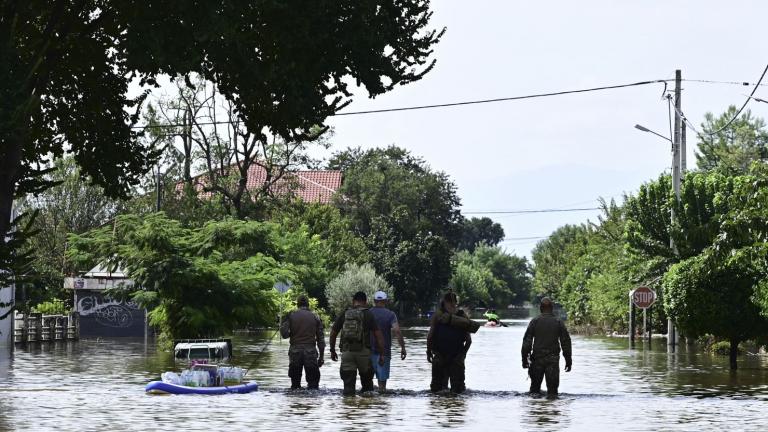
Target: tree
(68, 67)
(407, 215)
(240, 169)
(731, 151)
(472, 282)
(707, 294)
(203, 282)
(511, 272)
(354, 278)
(555, 256)
(71, 206)
(480, 230)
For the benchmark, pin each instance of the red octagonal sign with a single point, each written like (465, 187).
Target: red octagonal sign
(643, 297)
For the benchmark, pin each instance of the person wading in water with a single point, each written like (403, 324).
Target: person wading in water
(305, 329)
(544, 337)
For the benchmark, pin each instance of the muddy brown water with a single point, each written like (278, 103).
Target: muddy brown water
(99, 385)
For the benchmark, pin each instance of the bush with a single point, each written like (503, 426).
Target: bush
(354, 278)
(53, 307)
(724, 348)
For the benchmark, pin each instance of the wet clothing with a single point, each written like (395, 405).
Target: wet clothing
(381, 371)
(356, 359)
(445, 370)
(305, 330)
(448, 341)
(385, 319)
(544, 337)
(458, 320)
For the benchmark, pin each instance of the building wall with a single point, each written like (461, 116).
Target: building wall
(102, 316)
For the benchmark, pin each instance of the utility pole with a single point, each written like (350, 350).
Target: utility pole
(677, 158)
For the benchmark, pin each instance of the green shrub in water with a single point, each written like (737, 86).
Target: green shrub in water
(724, 348)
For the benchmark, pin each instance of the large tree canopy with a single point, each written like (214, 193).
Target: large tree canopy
(285, 65)
(732, 150)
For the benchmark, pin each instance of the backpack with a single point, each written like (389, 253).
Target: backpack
(352, 333)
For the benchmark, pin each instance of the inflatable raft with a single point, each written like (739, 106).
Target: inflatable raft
(159, 387)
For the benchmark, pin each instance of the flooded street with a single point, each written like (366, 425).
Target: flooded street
(99, 385)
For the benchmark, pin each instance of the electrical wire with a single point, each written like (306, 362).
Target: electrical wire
(749, 98)
(446, 105)
(533, 211)
(741, 83)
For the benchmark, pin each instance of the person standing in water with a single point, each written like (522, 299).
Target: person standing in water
(305, 329)
(545, 336)
(448, 341)
(386, 320)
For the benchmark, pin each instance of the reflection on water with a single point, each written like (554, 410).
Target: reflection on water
(98, 384)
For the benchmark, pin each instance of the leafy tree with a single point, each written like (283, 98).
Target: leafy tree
(512, 274)
(408, 216)
(732, 150)
(69, 65)
(479, 230)
(555, 256)
(354, 278)
(202, 282)
(71, 206)
(706, 294)
(326, 221)
(472, 282)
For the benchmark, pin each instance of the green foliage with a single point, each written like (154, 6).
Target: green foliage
(724, 348)
(71, 206)
(53, 307)
(408, 216)
(479, 230)
(555, 256)
(341, 244)
(354, 278)
(490, 277)
(289, 305)
(733, 150)
(283, 72)
(201, 282)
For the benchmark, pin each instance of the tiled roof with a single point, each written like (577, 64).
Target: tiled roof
(315, 186)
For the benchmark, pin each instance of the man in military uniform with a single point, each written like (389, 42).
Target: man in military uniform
(355, 326)
(305, 329)
(544, 337)
(448, 341)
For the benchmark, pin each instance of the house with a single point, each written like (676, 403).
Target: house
(312, 186)
(101, 315)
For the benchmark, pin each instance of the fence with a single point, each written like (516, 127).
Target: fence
(36, 327)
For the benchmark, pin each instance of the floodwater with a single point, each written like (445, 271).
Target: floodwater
(99, 385)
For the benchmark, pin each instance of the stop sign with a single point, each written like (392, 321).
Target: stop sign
(643, 297)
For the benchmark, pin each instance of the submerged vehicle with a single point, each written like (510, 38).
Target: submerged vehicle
(202, 349)
(203, 378)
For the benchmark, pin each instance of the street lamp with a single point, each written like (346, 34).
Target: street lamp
(645, 129)
(676, 162)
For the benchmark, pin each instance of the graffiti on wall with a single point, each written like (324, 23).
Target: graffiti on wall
(108, 312)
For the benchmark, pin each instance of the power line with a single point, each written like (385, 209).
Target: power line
(533, 211)
(523, 238)
(505, 99)
(749, 98)
(445, 105)
(741, 83)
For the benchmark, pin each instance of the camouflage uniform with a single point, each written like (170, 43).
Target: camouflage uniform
(305, 330)
(357, 359)
(544, 337)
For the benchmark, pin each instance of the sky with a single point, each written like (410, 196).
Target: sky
(565, 151)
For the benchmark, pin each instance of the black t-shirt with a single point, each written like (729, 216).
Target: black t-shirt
(369, 325)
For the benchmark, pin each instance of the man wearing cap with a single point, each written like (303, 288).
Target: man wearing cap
(305, 329)
(386, 320)
(544, 337)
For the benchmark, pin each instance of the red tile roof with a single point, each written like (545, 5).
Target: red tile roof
(315, 186)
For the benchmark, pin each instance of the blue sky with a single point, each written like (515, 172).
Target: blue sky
(563, 151)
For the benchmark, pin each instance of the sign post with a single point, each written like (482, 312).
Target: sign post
(643, 298)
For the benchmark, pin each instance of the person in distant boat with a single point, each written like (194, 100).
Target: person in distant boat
(357, 329)
(386, 320)
(448, 342)
(545, 336)
(305, 329)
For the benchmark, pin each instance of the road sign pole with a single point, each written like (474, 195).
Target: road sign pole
(649, 325)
